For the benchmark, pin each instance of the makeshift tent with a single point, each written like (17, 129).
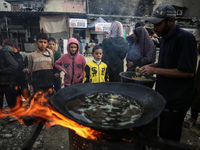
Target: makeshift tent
(99, 20)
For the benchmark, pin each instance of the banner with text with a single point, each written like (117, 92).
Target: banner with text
(102, 27)
(77, 23)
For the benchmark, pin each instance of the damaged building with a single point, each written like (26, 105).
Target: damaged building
(187, 15)
(24, 19)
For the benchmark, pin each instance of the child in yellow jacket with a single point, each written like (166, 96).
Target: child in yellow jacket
(96, 71)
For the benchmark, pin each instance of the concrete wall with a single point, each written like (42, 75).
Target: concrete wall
(78, 6)
(120, 7)
(192, 6)
(4, 6)
(191, 13)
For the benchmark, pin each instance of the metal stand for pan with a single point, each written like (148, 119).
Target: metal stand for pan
(33, 136)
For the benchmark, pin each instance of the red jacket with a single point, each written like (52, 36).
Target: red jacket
(74, 66)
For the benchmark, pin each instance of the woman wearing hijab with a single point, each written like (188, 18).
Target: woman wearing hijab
(115, 48)
(142, 51)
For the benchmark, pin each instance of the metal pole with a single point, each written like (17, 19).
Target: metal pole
(6, 20)
(87, 7)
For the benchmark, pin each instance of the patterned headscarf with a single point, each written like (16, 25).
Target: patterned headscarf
(116, 29)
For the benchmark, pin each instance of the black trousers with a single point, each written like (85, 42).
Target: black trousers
(171, 124)
(57, 83)
(9, 91)
(194, 114)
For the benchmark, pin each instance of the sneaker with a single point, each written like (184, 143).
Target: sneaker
(189, 123)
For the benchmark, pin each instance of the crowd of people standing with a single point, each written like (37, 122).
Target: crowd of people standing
(175, 69)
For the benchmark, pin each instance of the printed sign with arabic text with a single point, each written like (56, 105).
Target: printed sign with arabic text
(77, 23)
(102, 27)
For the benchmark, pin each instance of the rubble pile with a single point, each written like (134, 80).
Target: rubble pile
(13, 135)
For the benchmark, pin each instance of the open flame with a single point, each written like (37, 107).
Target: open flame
(39, 109)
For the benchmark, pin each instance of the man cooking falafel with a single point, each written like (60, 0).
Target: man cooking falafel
(175, 70)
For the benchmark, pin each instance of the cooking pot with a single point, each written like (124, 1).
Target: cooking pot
(152, 102)
(126, 77)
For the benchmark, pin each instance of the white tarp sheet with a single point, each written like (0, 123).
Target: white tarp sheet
(53, 24)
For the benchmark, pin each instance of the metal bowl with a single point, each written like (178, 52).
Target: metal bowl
(126, 77)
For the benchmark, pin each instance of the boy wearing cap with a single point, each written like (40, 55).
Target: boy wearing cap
(175, 70)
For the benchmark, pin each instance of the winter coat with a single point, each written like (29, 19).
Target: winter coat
(57, 55)
(130, 40)
(95, 73)
(73, 65)
(142, 51)
(8, 66)
(20, 76)
(114, 52)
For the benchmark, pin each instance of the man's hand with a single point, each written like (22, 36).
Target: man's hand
(129, 64)
(147, 70)
(25, 70)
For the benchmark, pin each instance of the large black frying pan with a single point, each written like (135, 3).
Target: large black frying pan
(153, 103)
